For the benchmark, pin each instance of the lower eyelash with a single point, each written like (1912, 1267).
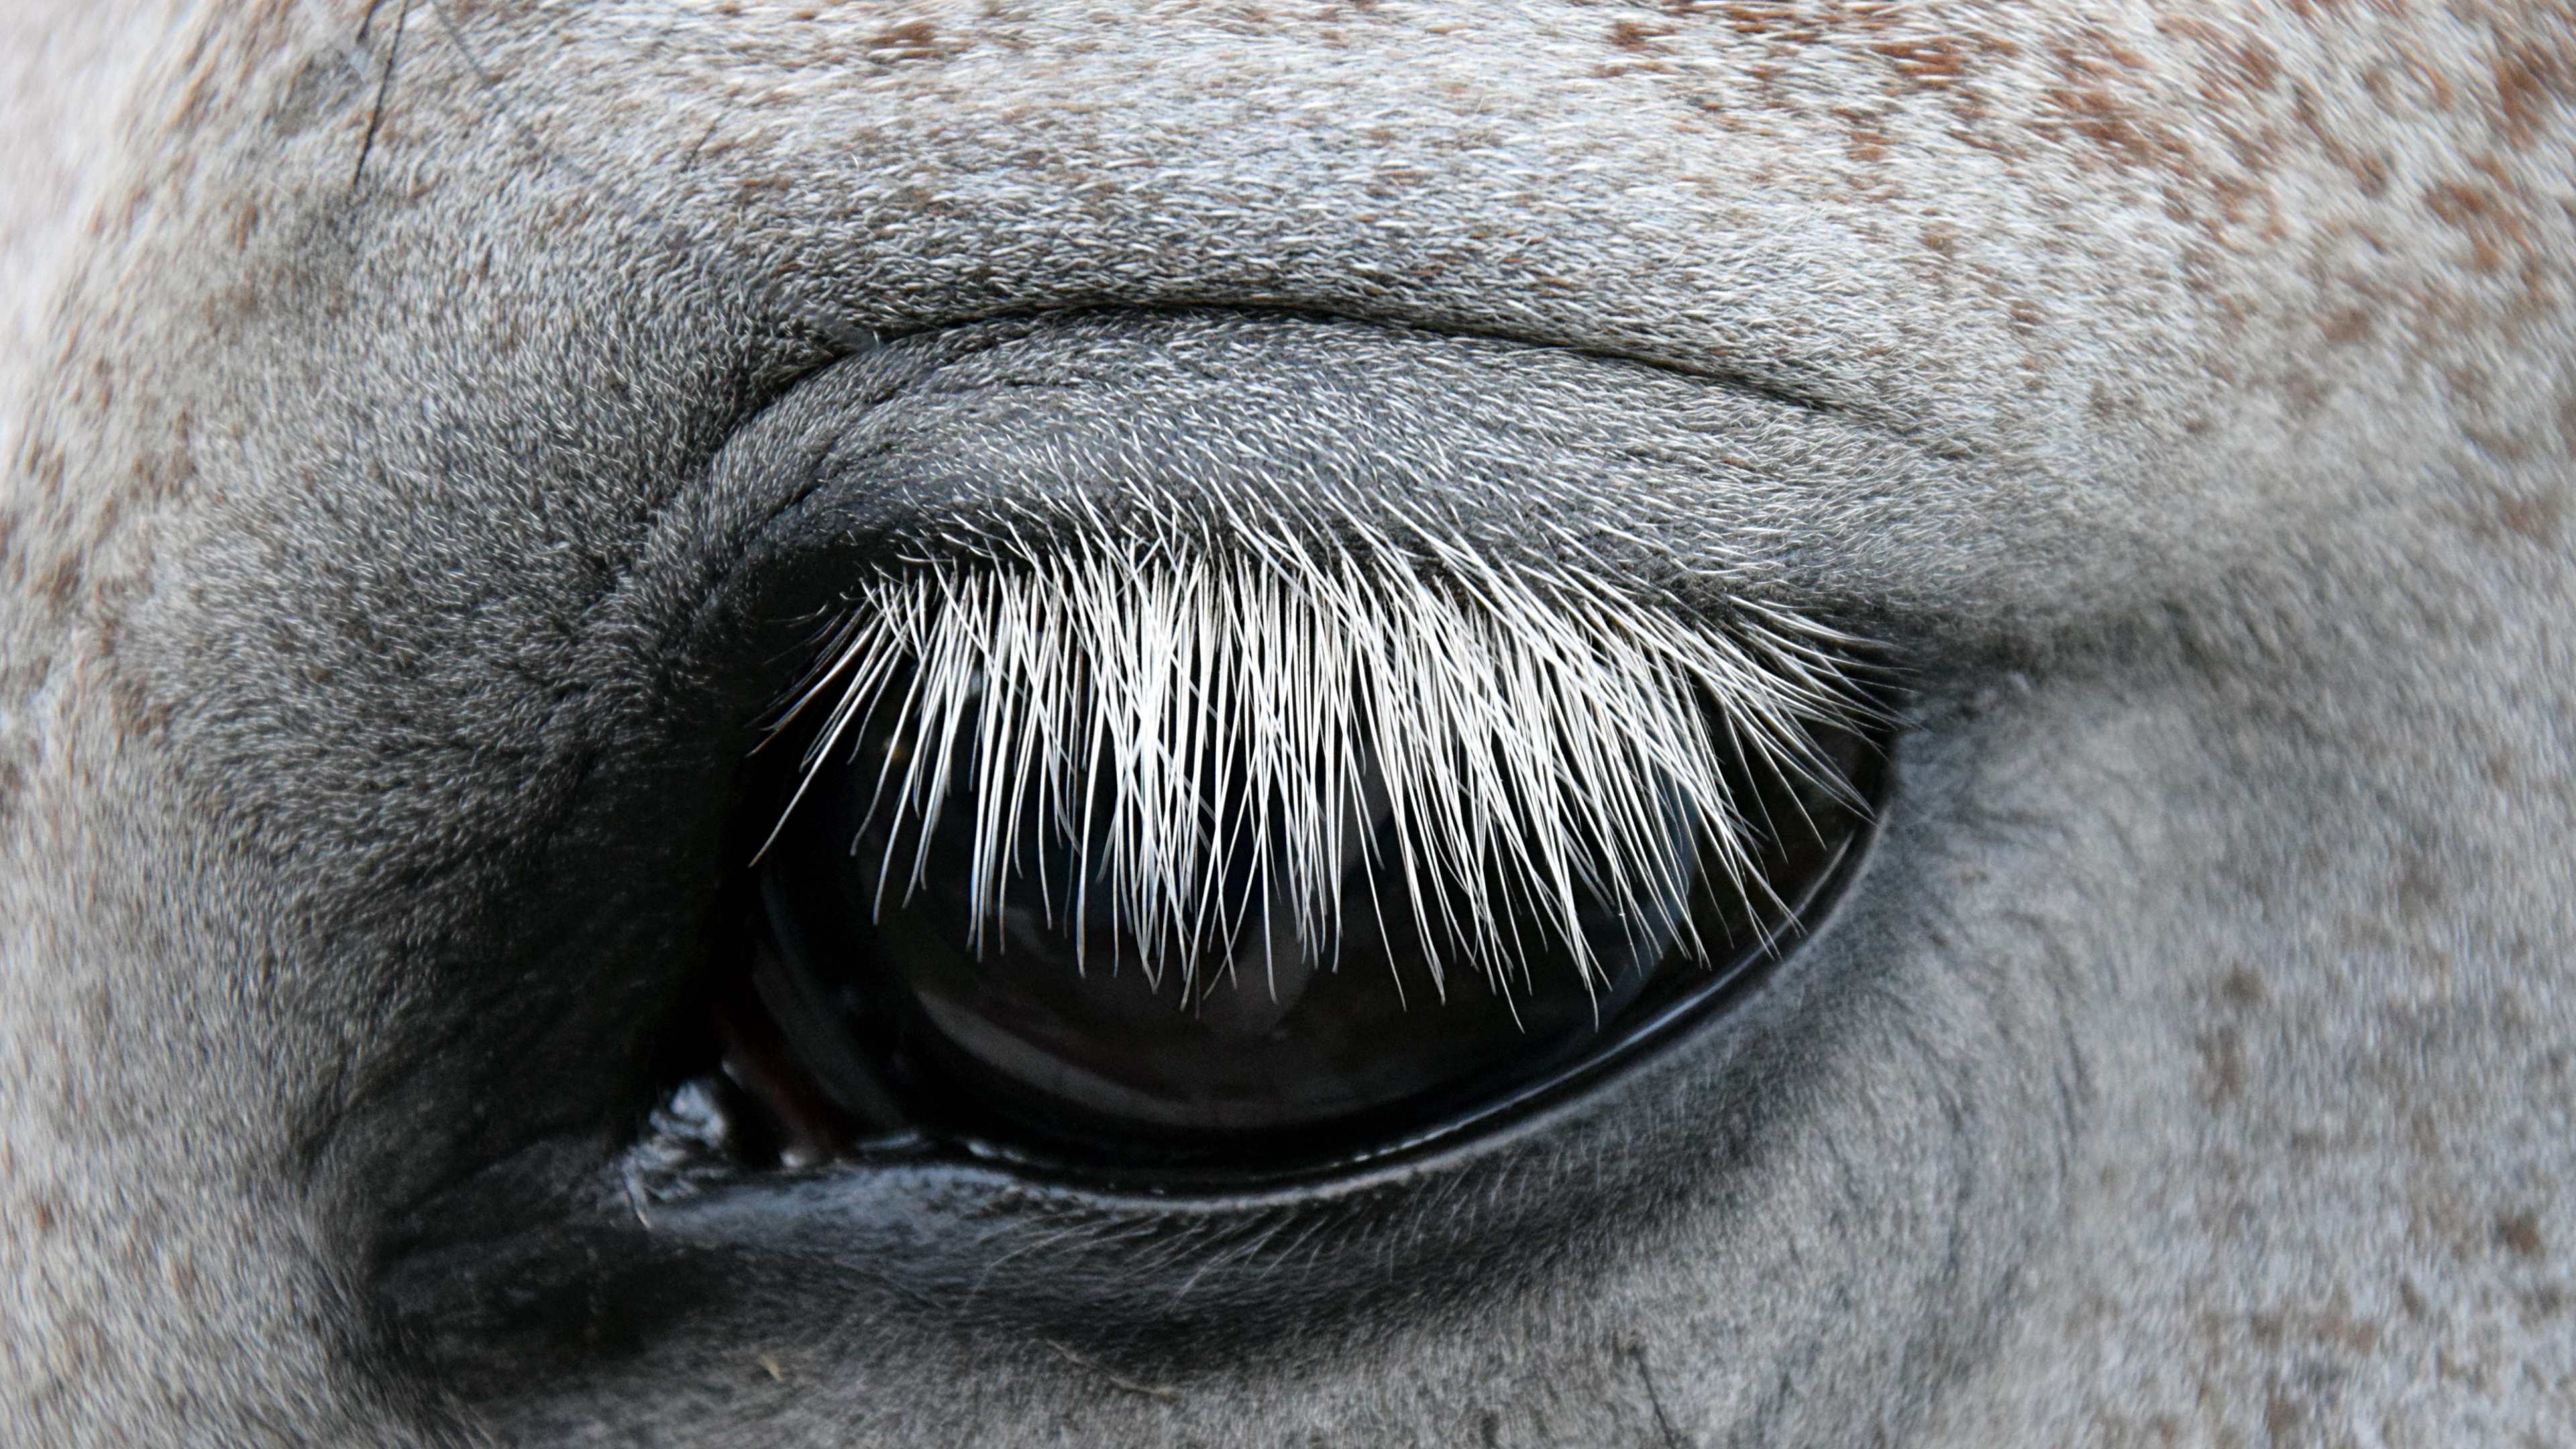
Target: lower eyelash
(1178, 711)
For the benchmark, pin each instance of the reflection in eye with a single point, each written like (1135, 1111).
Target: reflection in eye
(1157, 856)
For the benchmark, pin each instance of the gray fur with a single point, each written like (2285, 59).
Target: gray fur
(398, 558)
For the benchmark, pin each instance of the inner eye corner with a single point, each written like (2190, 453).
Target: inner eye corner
(1184, 874)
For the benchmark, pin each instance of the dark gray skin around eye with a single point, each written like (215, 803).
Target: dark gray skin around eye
(437, 444)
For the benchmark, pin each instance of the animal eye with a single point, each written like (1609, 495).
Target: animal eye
(1164, 860)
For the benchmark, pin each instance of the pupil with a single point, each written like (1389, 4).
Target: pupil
(1052, 1017)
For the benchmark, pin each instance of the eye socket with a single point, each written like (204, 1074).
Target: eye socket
(1093, 894)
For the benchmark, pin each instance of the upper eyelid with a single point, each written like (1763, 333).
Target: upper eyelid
(1548, 442)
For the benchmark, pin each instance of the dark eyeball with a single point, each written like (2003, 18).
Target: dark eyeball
(1046, 1024)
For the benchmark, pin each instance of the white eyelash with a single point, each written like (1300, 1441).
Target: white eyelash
(1530, 732)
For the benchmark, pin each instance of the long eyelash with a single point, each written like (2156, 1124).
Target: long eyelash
(1181, 711)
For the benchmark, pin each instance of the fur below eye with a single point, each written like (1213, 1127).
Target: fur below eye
(1155, 864)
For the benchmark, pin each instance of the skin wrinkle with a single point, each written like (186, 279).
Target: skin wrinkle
(2189, 1067)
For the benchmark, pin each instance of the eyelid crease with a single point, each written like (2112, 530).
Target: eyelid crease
(1531, 731)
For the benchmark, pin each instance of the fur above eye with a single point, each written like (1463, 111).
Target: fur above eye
(1166, 856)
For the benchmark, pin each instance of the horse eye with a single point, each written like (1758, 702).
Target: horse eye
(1018, 915)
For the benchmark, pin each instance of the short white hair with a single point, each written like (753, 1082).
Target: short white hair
(1169, 698)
